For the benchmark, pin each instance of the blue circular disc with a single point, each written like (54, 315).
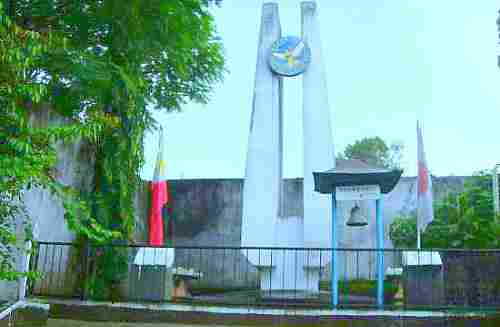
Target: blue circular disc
(289, 56)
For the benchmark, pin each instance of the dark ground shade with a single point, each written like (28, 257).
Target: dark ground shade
(281, 323)
(77, 323)
(121, 316)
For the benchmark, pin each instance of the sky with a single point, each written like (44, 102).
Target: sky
(388, 63)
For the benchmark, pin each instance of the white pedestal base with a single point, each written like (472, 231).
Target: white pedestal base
(302, 279)
(289, 269)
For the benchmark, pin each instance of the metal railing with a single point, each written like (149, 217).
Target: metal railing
(8, 314)
(431, 279)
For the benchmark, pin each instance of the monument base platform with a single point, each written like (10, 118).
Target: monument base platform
(290, 296)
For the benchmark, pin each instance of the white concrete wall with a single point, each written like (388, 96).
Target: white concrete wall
(74, 168)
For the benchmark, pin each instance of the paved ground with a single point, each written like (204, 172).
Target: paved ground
(74, 323)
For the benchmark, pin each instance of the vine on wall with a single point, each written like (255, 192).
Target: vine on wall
(99, 64)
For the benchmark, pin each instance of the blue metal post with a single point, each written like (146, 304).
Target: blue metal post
(380, 254)
(333, 263)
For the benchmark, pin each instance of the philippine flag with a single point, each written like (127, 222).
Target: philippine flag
(159, 198)
(425, 212)
(157, 255)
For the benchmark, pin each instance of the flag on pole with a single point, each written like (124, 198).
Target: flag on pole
(153, 256)
(425, 213)
(159, 198)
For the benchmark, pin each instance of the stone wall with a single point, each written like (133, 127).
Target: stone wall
(74, 168)
(207, 212)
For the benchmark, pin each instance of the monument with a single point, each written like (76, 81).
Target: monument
(263, 221)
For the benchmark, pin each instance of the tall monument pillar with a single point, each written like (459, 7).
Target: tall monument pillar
(262, 188)
(319, 153)
(265, 222)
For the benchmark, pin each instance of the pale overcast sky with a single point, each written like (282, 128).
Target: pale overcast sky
(389, 63)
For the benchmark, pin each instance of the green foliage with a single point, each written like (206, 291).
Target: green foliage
(163, 52)
(468, 220)
(464, 221)
(27, 154)
(99, 64)
(109, 265)
(374, 151)
(403, 232)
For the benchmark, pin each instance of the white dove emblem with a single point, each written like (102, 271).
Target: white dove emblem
(291, 56)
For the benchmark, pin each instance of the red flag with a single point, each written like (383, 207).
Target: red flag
(425, 212)
(423, 178)
(159, 197)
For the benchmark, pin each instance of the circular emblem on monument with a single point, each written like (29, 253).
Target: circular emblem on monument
(289, 56)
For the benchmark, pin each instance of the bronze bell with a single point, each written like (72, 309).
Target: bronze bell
(356, 219)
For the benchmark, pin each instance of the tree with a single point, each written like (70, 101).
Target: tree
(99, 64)
(464, 220)
(374, 151)
(403, 231)
(27, 155)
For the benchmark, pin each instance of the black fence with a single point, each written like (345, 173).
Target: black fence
(8, 314)
(431, 279)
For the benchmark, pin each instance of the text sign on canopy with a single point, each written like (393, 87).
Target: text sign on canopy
(358, 192)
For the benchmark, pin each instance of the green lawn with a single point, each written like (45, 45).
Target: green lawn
(361, 287)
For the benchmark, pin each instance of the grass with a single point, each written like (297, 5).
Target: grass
(362, 287)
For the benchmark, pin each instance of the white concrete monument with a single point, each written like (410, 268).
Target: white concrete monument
(264, 222)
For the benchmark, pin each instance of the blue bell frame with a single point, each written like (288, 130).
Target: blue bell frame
(326, 182)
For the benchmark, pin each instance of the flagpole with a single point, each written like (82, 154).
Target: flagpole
(418, 224)
(425, 213)
(418, 221)
(418, 235)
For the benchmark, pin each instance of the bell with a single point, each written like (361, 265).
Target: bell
(356, 219)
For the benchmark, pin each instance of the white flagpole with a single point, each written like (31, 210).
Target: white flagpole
(418, 213)
(418, 235)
